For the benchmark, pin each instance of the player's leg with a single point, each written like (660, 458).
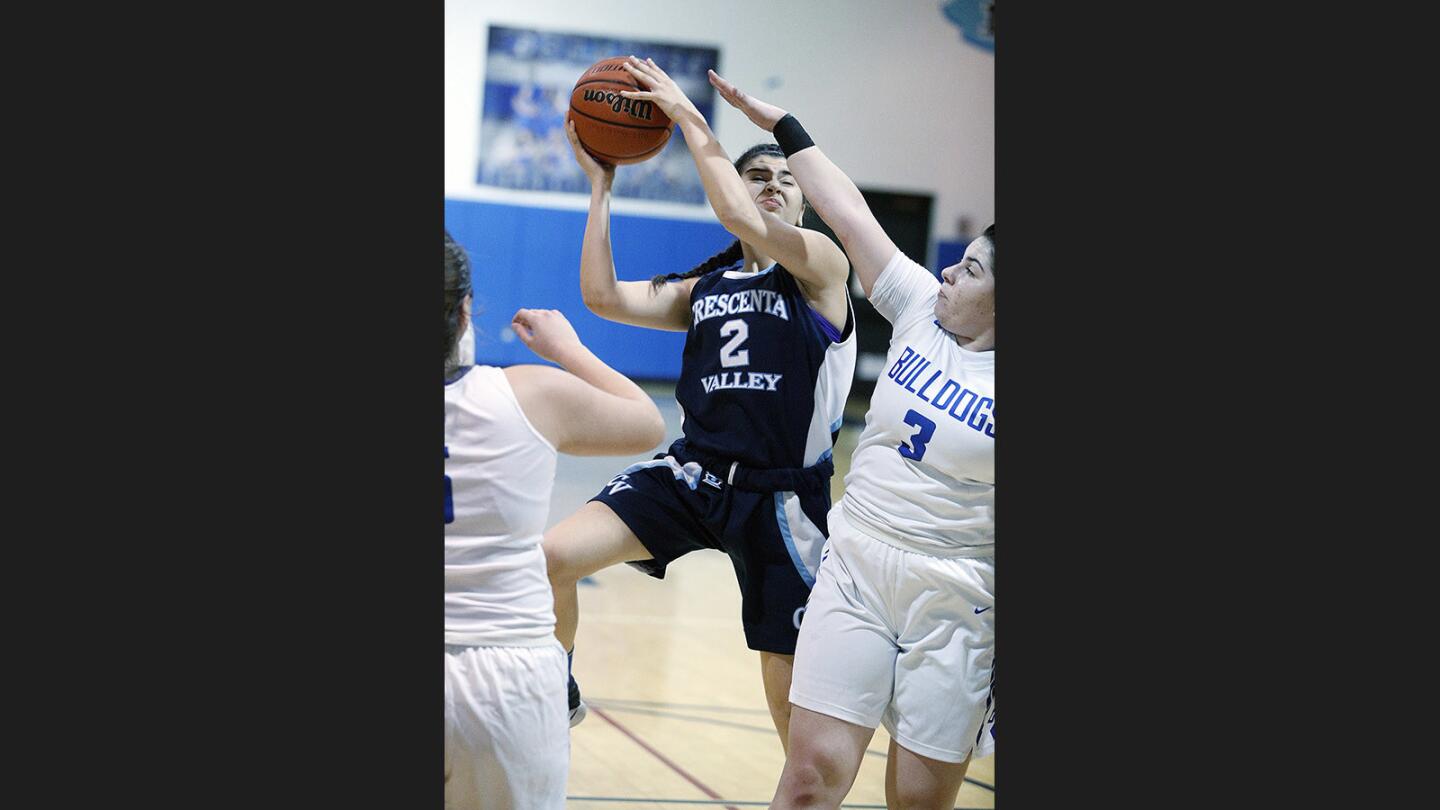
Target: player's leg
(844, 670)
(592, 539)
(822, 762)
(775, 670)
(641, 516)
(774, 556)
(917, 782)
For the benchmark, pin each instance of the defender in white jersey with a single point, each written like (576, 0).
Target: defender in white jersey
(506, 744)
(900, 626)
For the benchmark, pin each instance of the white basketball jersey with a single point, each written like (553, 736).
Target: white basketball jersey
(923, 473)
(499, 472)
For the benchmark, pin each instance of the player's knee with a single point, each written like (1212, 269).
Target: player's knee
(902, 794)
(810, 778)
(800, 786)
(561, 566)
(926, 793)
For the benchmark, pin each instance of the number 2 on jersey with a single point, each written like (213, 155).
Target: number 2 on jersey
(916, 449)
(729, 357)
(449, 497)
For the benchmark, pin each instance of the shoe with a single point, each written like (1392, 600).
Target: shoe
(578, 709)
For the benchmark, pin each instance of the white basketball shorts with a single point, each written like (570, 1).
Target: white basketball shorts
(507, 727)
(902, 638)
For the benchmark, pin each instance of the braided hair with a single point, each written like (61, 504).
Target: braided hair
(457, 286)
(734, 253)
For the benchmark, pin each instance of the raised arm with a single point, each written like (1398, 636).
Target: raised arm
(831, 193)
(593, 410)
(632, 302)
(809, 255)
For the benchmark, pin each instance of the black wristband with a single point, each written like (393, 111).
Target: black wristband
(790, 135)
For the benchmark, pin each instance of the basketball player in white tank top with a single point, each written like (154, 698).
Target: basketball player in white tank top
(507, 742)
(900, 625)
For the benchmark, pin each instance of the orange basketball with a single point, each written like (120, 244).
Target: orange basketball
(614, 129)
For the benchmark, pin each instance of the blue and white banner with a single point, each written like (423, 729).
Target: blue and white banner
(528, 79)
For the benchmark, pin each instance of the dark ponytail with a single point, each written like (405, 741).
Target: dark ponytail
(724, 258)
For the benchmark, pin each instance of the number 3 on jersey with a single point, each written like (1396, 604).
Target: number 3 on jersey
(449, 497)
(916, 448)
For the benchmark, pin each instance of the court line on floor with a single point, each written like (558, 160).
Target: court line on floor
(643, 800)
(656, 708)
(676, 768)
(709, 721)
(661, 704)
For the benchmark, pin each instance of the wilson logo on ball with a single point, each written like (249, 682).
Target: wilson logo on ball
(642, 110)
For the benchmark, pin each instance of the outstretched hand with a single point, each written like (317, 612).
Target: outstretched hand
(599, 173)
(662, 89)
(762, 114)
(547, 333)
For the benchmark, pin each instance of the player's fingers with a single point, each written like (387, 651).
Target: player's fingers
(639, 74)
(728, 91)
(574, 138)
(581, 156)
(650, 71)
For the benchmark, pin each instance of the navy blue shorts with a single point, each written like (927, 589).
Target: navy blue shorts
(674, 505)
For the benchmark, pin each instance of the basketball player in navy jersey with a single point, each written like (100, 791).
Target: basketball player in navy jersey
(768, 361)
(900, 627)
(506, 745)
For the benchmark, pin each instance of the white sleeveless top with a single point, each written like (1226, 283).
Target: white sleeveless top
(922, 476)
(499, 472)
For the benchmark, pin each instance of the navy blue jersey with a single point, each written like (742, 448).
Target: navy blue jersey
(764, 378)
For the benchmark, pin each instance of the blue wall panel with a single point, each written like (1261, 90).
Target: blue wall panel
(948, 253)
(530, 257)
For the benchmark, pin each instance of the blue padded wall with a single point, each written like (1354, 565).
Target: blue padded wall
(530, 257)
